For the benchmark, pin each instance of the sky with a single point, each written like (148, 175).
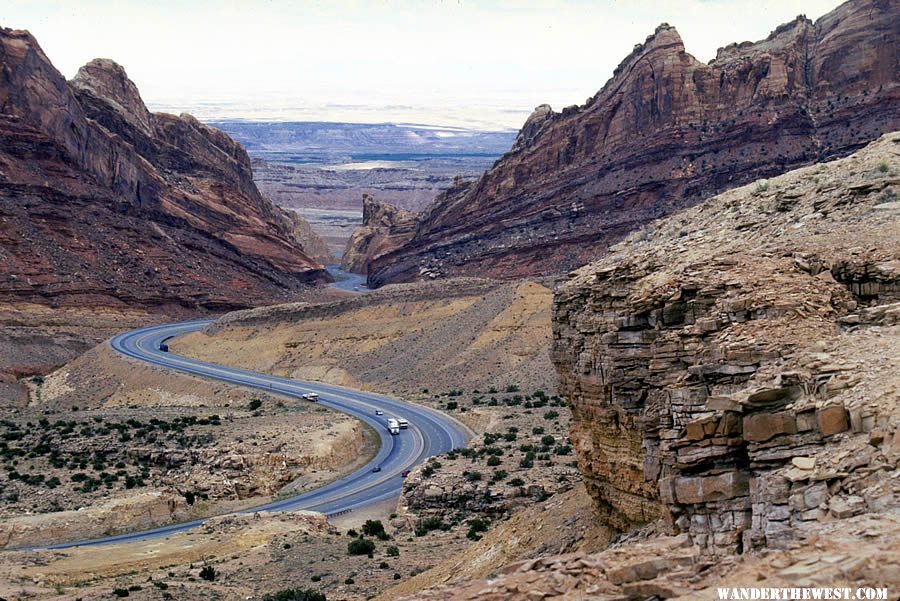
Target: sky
(483, 65)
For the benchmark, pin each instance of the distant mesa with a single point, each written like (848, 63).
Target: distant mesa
(666, 132)
(107, 204)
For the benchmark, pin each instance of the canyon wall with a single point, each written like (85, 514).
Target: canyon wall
(107, 204)
(732, 369)
(385, 228)
(666, 132)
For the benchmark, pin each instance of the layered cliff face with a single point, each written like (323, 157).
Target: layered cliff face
(313, 245)
(664, 133)
(732, 369)
(106, 204)
(385, 228)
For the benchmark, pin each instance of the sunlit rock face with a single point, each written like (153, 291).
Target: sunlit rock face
(105, 203)
(666, 132)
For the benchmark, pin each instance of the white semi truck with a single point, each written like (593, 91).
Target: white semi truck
(393, 426)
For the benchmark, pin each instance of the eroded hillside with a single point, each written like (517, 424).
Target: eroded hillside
(108, 445)
(441, 335)
(732, 372)
(112, 216)
(666, 132)
(108, 204)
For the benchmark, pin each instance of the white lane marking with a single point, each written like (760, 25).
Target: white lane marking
(261, 380)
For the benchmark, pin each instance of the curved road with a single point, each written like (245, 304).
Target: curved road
(430, 432)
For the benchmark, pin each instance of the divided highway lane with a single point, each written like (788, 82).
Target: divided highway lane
(430, 432)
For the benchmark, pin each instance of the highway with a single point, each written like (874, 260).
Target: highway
(430, 432)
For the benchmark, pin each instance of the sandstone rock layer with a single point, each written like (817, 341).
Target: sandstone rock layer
(666, 132)
(385, 228)
(105, 203)
(732, 369)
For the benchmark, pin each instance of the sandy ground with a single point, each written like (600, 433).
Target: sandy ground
(394, 342)
(245, 459)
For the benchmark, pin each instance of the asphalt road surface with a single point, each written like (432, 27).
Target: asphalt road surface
(430, 432)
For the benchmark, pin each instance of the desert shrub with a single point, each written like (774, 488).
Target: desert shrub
(490, 438)
(208, 573)
(295, 594)
(429, 524)
(375, 528)
(361, 546)
(476, 526)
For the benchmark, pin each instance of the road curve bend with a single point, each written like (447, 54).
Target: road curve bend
(430, 432)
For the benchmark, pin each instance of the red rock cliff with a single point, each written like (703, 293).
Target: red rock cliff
(384, 228)
(105, 203)
(664, 133)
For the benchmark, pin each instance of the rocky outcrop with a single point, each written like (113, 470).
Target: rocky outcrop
(385, 228)
(668, 567)
(732, 368)
(666, 132)
(105, 203)
(313, 244)
(143, 511)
